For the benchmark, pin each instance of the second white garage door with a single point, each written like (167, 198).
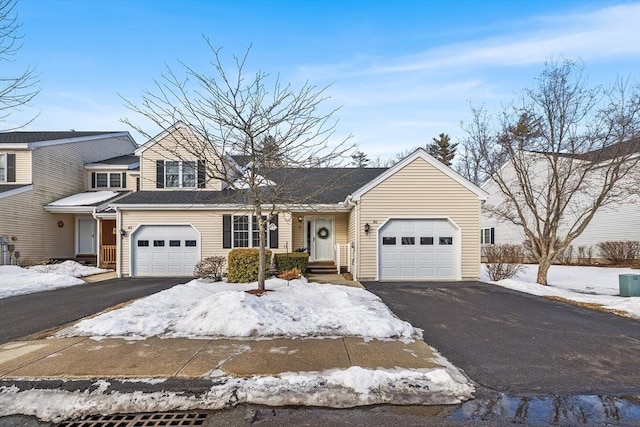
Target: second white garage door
(417, 249)
(165, 250)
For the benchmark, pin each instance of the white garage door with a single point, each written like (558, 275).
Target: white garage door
(417, 249)
(165, 250)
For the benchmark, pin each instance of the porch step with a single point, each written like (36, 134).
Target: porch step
(321, 267)
(89, 260)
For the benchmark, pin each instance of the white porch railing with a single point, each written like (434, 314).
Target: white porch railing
(343, 256)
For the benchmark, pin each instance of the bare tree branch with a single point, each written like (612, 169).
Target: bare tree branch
(19, 89)
(276, 128)
(561, 152)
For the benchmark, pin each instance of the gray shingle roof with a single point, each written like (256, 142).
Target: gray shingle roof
(125, 160)
(295, 186)
(9, 187)
(26, 137)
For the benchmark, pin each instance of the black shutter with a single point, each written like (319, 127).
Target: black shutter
(493, 235)
(93, 180)
(159, 173)
(11, 168)
(201, 174)
(226, 231)
(124, 180)
(273, 234)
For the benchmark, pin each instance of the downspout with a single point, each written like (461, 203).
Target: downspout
(98, 237)
(119, 240)
(356, 236)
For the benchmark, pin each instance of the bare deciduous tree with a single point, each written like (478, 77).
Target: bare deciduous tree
(19, 89)
(275, 128)
(560, 152)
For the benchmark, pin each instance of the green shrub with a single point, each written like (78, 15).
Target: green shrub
(292, 260)
(244, 264)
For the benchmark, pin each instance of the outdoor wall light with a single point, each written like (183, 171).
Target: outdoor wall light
(123, 232)
(367, 227)
(299, 219)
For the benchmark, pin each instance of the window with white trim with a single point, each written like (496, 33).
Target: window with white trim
(487, 236)
(108, 180)
(180, 174)
(242, 228)
(3, 167)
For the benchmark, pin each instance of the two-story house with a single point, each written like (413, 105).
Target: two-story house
(39, 168)
(618, 221)
(418, 220)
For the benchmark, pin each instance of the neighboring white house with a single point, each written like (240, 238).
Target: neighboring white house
(618, 221)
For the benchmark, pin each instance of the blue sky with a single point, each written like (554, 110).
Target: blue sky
(403, 71)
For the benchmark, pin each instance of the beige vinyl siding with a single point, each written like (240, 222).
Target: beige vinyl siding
(131, 181)
(23, 166)
(37, 232)
(207, 223)
(58, 172)
(419, 190)
(169, 149)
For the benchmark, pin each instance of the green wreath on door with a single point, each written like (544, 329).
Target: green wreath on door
(323, 233)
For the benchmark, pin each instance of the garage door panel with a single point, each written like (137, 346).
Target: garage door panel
(166, 253)
(425, 259)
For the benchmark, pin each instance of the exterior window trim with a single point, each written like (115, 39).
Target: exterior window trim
(251, 232)
(122, 176)
(487, 236)
(181, 173)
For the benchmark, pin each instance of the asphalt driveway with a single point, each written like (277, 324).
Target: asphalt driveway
(518, 343)
(24, 315)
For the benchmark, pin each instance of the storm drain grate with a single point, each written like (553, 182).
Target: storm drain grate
(139, 420)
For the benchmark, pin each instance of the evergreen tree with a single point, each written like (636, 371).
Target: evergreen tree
(359, 159)
(442, 149)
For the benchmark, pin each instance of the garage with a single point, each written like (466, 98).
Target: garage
(418, 249)
(165, 250)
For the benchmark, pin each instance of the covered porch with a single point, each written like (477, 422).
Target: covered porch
(325, 237)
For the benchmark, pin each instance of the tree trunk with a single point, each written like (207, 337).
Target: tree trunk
(261, 251)
(543, 269)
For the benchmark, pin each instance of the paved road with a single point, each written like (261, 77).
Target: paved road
(517, 343)
(24, 315)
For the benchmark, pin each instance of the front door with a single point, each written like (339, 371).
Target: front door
(322, 239)
(86, 236)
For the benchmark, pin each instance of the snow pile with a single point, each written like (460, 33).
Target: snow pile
(68, 268)
(16, 280)
(201, 309)
(592, 285)
(335, 388)
(85, 199)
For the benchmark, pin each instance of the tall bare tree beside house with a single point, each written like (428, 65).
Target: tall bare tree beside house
(558, 154)
(274, 127)
(19, 88)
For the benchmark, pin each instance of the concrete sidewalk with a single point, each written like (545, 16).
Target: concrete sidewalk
(82, 358)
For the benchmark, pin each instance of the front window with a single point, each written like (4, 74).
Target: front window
(243, 228)
(109, 180)
(487, 236)
(3, 167)
(178, 174)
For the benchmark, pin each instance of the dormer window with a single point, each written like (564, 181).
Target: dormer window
(108, 180)
(7, 168)
(179, 174)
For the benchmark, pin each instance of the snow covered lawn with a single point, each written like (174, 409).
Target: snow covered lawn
(592, 285)
(201, 309)
(16, 280)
